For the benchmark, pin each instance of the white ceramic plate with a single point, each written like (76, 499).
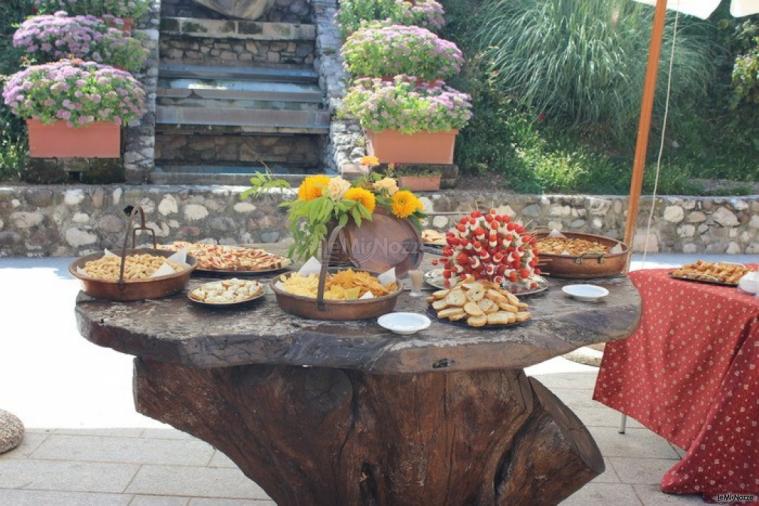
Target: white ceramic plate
(404, 324)
(588, 293)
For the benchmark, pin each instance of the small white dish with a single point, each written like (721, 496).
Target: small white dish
(404, 324)
(587, 293)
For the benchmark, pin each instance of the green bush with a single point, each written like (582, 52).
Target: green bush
(12, 131)
(134, 9)
(425, 13)
(583, 62)
(746, 76)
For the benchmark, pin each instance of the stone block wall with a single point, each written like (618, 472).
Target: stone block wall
(347, 143)
(139, 136)
(75, 220)
(183, 145)
(235, 52)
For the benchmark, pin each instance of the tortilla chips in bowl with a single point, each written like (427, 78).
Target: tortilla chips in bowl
(348, 295)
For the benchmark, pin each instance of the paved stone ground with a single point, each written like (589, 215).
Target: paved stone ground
(85, 445)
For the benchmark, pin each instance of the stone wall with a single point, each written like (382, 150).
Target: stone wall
(139, 136)
(68, 220)
(235, 52)
(291, 11)
(347, 143)
(179, 146)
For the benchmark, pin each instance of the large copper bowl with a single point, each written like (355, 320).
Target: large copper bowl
(154, 288)
(586, 266)
(308, 307)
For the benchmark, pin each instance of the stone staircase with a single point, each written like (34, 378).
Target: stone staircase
(235, 97)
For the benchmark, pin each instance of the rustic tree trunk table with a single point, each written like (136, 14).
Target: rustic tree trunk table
(345, 413)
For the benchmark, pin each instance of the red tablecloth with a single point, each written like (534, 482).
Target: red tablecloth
(690, 373)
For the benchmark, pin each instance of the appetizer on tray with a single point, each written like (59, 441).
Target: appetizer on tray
(432, 237)
(479, 304)
(227, 292)
(234, 259)
(723, 273)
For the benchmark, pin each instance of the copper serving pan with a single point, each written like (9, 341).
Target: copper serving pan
(315, 309)
(123, 290)
(592, 265)
(154, 288)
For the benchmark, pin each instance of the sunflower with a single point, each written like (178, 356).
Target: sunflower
(405, 204)
(311, 187)
(363, 196)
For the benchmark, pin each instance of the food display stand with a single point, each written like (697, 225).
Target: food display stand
(320, 412)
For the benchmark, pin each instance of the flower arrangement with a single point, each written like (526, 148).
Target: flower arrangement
(406, 106)
(325, 201)
(382, 51)
(48, 38)
(134, 9)
(79, 93)
(424, 13)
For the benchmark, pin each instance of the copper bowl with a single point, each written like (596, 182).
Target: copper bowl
(154, 288)
(592, 265)
(308, 307)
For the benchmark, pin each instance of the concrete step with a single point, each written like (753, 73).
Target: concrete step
(239, 89)
(253, 120)
(271, 73)
(236, 29)
(225, 175)
(248, 105)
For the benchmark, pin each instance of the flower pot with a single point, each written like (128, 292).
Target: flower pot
(392, 146)
(428, 183)
(58, 140)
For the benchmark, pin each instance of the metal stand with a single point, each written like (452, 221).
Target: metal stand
(622, 424)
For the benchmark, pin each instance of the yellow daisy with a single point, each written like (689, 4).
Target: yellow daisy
(405, 203)
(369, 161)
(363, 196)
(311, 188)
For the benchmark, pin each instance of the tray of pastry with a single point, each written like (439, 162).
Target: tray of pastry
(714, 273)
(221, 259)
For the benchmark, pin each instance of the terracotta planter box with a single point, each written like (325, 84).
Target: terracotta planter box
(58, 140)
(391, 146)
(420, 183)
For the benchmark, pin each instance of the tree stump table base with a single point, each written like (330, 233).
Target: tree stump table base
(326, 436)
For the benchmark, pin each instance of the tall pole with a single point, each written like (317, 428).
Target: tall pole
(644, 124)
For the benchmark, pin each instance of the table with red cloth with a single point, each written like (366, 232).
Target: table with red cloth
(690, 373)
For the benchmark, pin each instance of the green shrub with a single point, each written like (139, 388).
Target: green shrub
(425, 13)
(134, 9)
(746, 76)
(12, 131)
(583, 62)
(386, 51)
(402, 105)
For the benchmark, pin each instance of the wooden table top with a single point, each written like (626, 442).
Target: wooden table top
(175, 330)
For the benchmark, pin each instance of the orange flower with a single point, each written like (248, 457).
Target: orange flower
(363, 196)
(405, 203)
(311, 188)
